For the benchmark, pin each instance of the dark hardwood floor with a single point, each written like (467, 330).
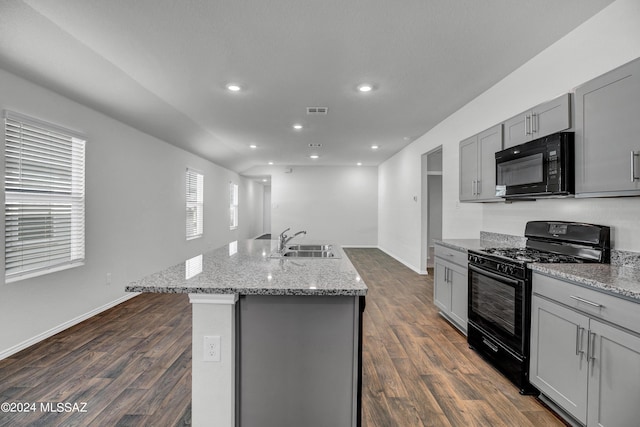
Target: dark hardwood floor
(131, 365)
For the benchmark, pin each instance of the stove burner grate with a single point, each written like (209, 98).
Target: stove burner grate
(531, 255)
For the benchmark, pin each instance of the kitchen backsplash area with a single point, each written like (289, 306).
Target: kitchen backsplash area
(503, 239)
(625, 258)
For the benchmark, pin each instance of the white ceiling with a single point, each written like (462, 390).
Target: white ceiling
(162, 66)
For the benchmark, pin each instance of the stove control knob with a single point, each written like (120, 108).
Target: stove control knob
(511, 269)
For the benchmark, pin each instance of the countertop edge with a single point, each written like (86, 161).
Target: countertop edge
(248, 291)
(558, 271)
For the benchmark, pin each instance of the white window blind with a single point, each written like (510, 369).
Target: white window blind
(195, 204)
(233, 206)
(44, 197)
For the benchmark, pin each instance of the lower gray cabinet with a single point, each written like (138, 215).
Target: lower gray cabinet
(582, 360)
(299, 361)
(450, 285)
(558, 366)
(614, 390)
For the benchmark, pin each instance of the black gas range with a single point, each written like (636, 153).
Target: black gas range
(500, 289)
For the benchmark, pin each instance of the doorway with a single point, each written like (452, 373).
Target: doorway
(431, 205)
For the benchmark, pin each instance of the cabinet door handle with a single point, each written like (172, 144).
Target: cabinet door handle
(534, 124)
(527, 124)
(634, 154)
(579, 340)
(478, 187)
(591, 346)
(586, 301)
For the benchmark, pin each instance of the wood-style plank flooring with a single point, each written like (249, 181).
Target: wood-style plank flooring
(132, 364)
(418, 369)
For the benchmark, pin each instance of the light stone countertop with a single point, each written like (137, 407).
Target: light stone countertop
(245, 268)
(621, 281)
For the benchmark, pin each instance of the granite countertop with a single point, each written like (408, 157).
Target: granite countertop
(621, 281)
(245, 268)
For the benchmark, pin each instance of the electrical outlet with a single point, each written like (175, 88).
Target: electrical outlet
(211, 349)
(108, 279)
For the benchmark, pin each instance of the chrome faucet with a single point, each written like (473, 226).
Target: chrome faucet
(284, 239)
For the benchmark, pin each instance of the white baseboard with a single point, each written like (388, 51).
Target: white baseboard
(399, 259)
(51, 332)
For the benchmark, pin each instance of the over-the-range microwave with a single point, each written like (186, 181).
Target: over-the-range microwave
(540, 168)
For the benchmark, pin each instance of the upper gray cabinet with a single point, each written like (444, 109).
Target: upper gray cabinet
(478, 166)
(607, 138)
(544, 119)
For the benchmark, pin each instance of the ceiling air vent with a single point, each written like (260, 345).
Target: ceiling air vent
(312, 145)
(317, 110)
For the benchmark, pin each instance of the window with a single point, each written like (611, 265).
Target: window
(44, 197)
(195, 204)
(233, 206)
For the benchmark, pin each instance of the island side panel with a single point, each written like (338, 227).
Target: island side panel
(299, 361)
(213, 385)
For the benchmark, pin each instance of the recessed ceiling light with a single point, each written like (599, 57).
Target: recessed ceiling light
(297, 126)
(234, 87)
(375, 147)
(253, 146)
(264, 180)
(314, 156)
(270, 163)
(359, 164)
(365, 87)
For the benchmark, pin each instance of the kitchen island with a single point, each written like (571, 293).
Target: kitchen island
(276, 340)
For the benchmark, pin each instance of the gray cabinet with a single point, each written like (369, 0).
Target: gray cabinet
(298, 360)
(558, 362)
(450, 285)
(544, 119)
(614, 393)
(478, 166)
(585, 352)
(607, 139)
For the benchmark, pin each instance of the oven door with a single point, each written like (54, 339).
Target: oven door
(497, 305)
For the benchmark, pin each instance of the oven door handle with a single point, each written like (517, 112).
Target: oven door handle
(495, 276)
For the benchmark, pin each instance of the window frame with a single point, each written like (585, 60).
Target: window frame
(234, 211)
(44, 190)
(194, 204)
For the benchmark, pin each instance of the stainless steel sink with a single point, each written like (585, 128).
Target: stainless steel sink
(301, 247)
(309, 250)
(310, 254)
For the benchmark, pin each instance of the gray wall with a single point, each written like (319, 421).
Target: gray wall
(135, 216)
(337, 203)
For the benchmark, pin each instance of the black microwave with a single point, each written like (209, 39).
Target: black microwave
(540, 168)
